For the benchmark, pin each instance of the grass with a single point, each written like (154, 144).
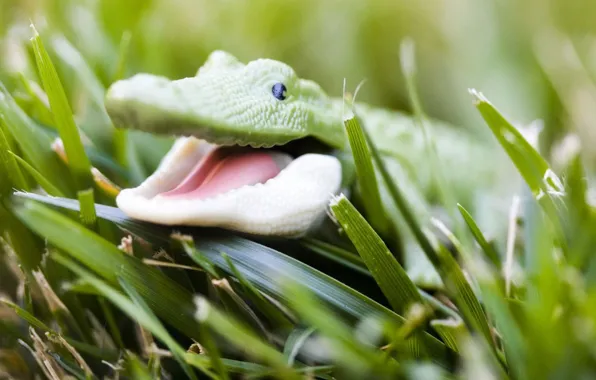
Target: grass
(87, 292)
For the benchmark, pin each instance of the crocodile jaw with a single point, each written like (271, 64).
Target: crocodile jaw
(290, 204)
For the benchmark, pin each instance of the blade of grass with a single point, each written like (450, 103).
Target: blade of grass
(110, 320)
(451, 331)
(170, 301)
(75, 62)
(487, 248)
(9, 164)
(43, 110)
(367, 179)
(273, 313)
(542, 181)
(448, 268)
(387, 272)
(134, 307)
(24, 243)
(78, 161)
(121, 140)
(212, 349)
(236, 305)
(135, 368)
(336, 254)
(34, 321)
(580, 215)
(444, 186)
(34, 144)
(30, 318)
(109, 189)
(241, 337)
(528, 161)
(123, 50)
(495, 301)
(234, 366)
(295, 342)
(358, 358)
(189, 247)
(151, 322)
(262, 266)
(87, 202)
(39, 178)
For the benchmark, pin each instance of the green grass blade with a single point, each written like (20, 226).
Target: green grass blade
(295, 342)
(87, 202)
(170, 301)
(35, 145)
(448, 268)
(487, 248)
(123, 50)
(9, 164)
(444, 186)
(542, 181)
(273, 313)
(30, 318)
(496, 303)
(70, 367)
(152, 322)
(497, 306)
(74, 61)
(528, 161)
(451, 331)
(80, 346)
(135, 368)
(343, 348)
(134, 307)
(241, 337)
(78, 161)
(367, 179)
(42, 109)
(464, 298)
(110, 320)
(386, 270)
(264, 267)
(336, 254)
(212, 348)
(39, 178)
(25, 244)
(234, 366)
(402, 204)
(189, 247)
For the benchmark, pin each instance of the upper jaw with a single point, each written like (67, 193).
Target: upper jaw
(290, 204)
(190, 107)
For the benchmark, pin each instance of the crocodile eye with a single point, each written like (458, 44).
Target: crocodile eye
(279, 91)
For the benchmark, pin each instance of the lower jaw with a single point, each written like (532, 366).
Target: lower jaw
(290, 204)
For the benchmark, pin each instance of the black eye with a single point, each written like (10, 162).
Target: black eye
(279, 91)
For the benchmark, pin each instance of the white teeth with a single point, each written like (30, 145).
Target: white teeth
(290, 204)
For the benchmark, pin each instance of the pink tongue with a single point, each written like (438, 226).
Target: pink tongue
(222, 170)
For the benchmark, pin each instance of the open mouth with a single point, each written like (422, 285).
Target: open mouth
(260, 191)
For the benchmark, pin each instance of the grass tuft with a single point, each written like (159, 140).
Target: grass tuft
(78, 161)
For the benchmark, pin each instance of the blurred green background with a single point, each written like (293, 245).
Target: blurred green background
(529, 57)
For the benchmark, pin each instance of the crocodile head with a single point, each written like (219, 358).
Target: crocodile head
(261, 104)
(227, 169)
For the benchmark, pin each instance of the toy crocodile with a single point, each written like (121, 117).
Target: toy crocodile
(229, 168)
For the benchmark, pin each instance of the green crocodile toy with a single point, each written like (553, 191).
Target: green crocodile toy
(229, 169)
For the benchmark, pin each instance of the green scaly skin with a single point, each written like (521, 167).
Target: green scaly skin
(231, 103)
